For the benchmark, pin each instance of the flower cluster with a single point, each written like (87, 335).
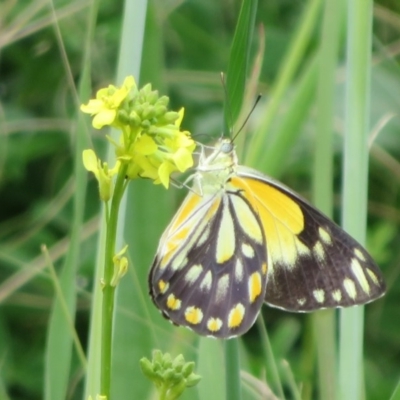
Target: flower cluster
(170, 376)
(151, 143)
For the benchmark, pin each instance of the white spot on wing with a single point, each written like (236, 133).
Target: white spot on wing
(360, 276)
(301, 301)
(319, 295)
(238, 270)
(247, 250)
(222, 288)
(350, 288)
(324, 235)
(373, 276)
(359, 254)
(337, 295)
(193, 273)
(319, 252)
(205, 284)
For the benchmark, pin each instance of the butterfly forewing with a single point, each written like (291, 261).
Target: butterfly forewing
(213, 281)
(312, 262)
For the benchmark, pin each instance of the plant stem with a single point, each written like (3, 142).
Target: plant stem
(232, 369)
(359, 42)
(108, 289)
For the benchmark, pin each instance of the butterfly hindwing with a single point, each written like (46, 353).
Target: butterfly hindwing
(312, 262)
(210, 270)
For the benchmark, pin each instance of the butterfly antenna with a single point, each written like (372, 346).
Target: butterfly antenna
(248, 116)
(227, 105)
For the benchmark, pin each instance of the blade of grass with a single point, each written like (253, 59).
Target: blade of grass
(64, 306)
(59, 340)
(396, 393)
(210, 367)
(290, 380)
(357, 101)
(236, 81)
(238, 63)
(289, 128)
(290, 65)
(324, 323)
(270, 361)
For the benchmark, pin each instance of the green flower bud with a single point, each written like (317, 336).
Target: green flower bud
(187, 369)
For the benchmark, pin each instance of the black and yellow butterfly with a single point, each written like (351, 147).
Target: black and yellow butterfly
(241, 238)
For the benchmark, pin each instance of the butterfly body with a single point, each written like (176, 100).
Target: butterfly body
(241, 238)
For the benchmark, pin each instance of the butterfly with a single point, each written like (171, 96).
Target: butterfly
(239, 239)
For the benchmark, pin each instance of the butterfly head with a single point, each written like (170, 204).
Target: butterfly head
(219, 156)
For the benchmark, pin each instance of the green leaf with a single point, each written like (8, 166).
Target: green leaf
(238, 63)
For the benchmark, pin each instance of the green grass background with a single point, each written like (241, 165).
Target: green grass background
(45, 198)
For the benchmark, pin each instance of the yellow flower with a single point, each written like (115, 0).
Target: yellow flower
(151, 143)
(102, 173)
(107, 103)
(157, 158)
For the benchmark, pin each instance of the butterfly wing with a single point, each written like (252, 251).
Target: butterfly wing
(209, 273)
(312, 262)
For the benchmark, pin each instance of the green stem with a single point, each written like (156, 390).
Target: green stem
(108, 289)
(357, 106)
(232, 369)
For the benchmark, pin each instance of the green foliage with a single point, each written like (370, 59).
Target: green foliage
(186, 46)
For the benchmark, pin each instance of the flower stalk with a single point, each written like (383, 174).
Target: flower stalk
(108, 288)
(151, 145)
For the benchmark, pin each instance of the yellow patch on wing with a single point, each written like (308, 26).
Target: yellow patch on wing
(193, 315)
(173, 303)
(264, 268)
(235, 316)
(163, 286)
(187, 208)
(281, 217)
(246, 217)
(255, 286)
(188, 218)
(225, 248)
(214, 324)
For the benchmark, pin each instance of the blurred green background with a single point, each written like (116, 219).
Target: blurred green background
(186, 47)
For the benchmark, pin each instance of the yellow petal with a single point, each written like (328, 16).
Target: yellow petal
(90, 161)
(183, 159)
(105, 117)
(93, 107)
(145, 145)
(164, 172)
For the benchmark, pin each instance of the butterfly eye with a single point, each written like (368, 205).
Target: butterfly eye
(227, 147)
